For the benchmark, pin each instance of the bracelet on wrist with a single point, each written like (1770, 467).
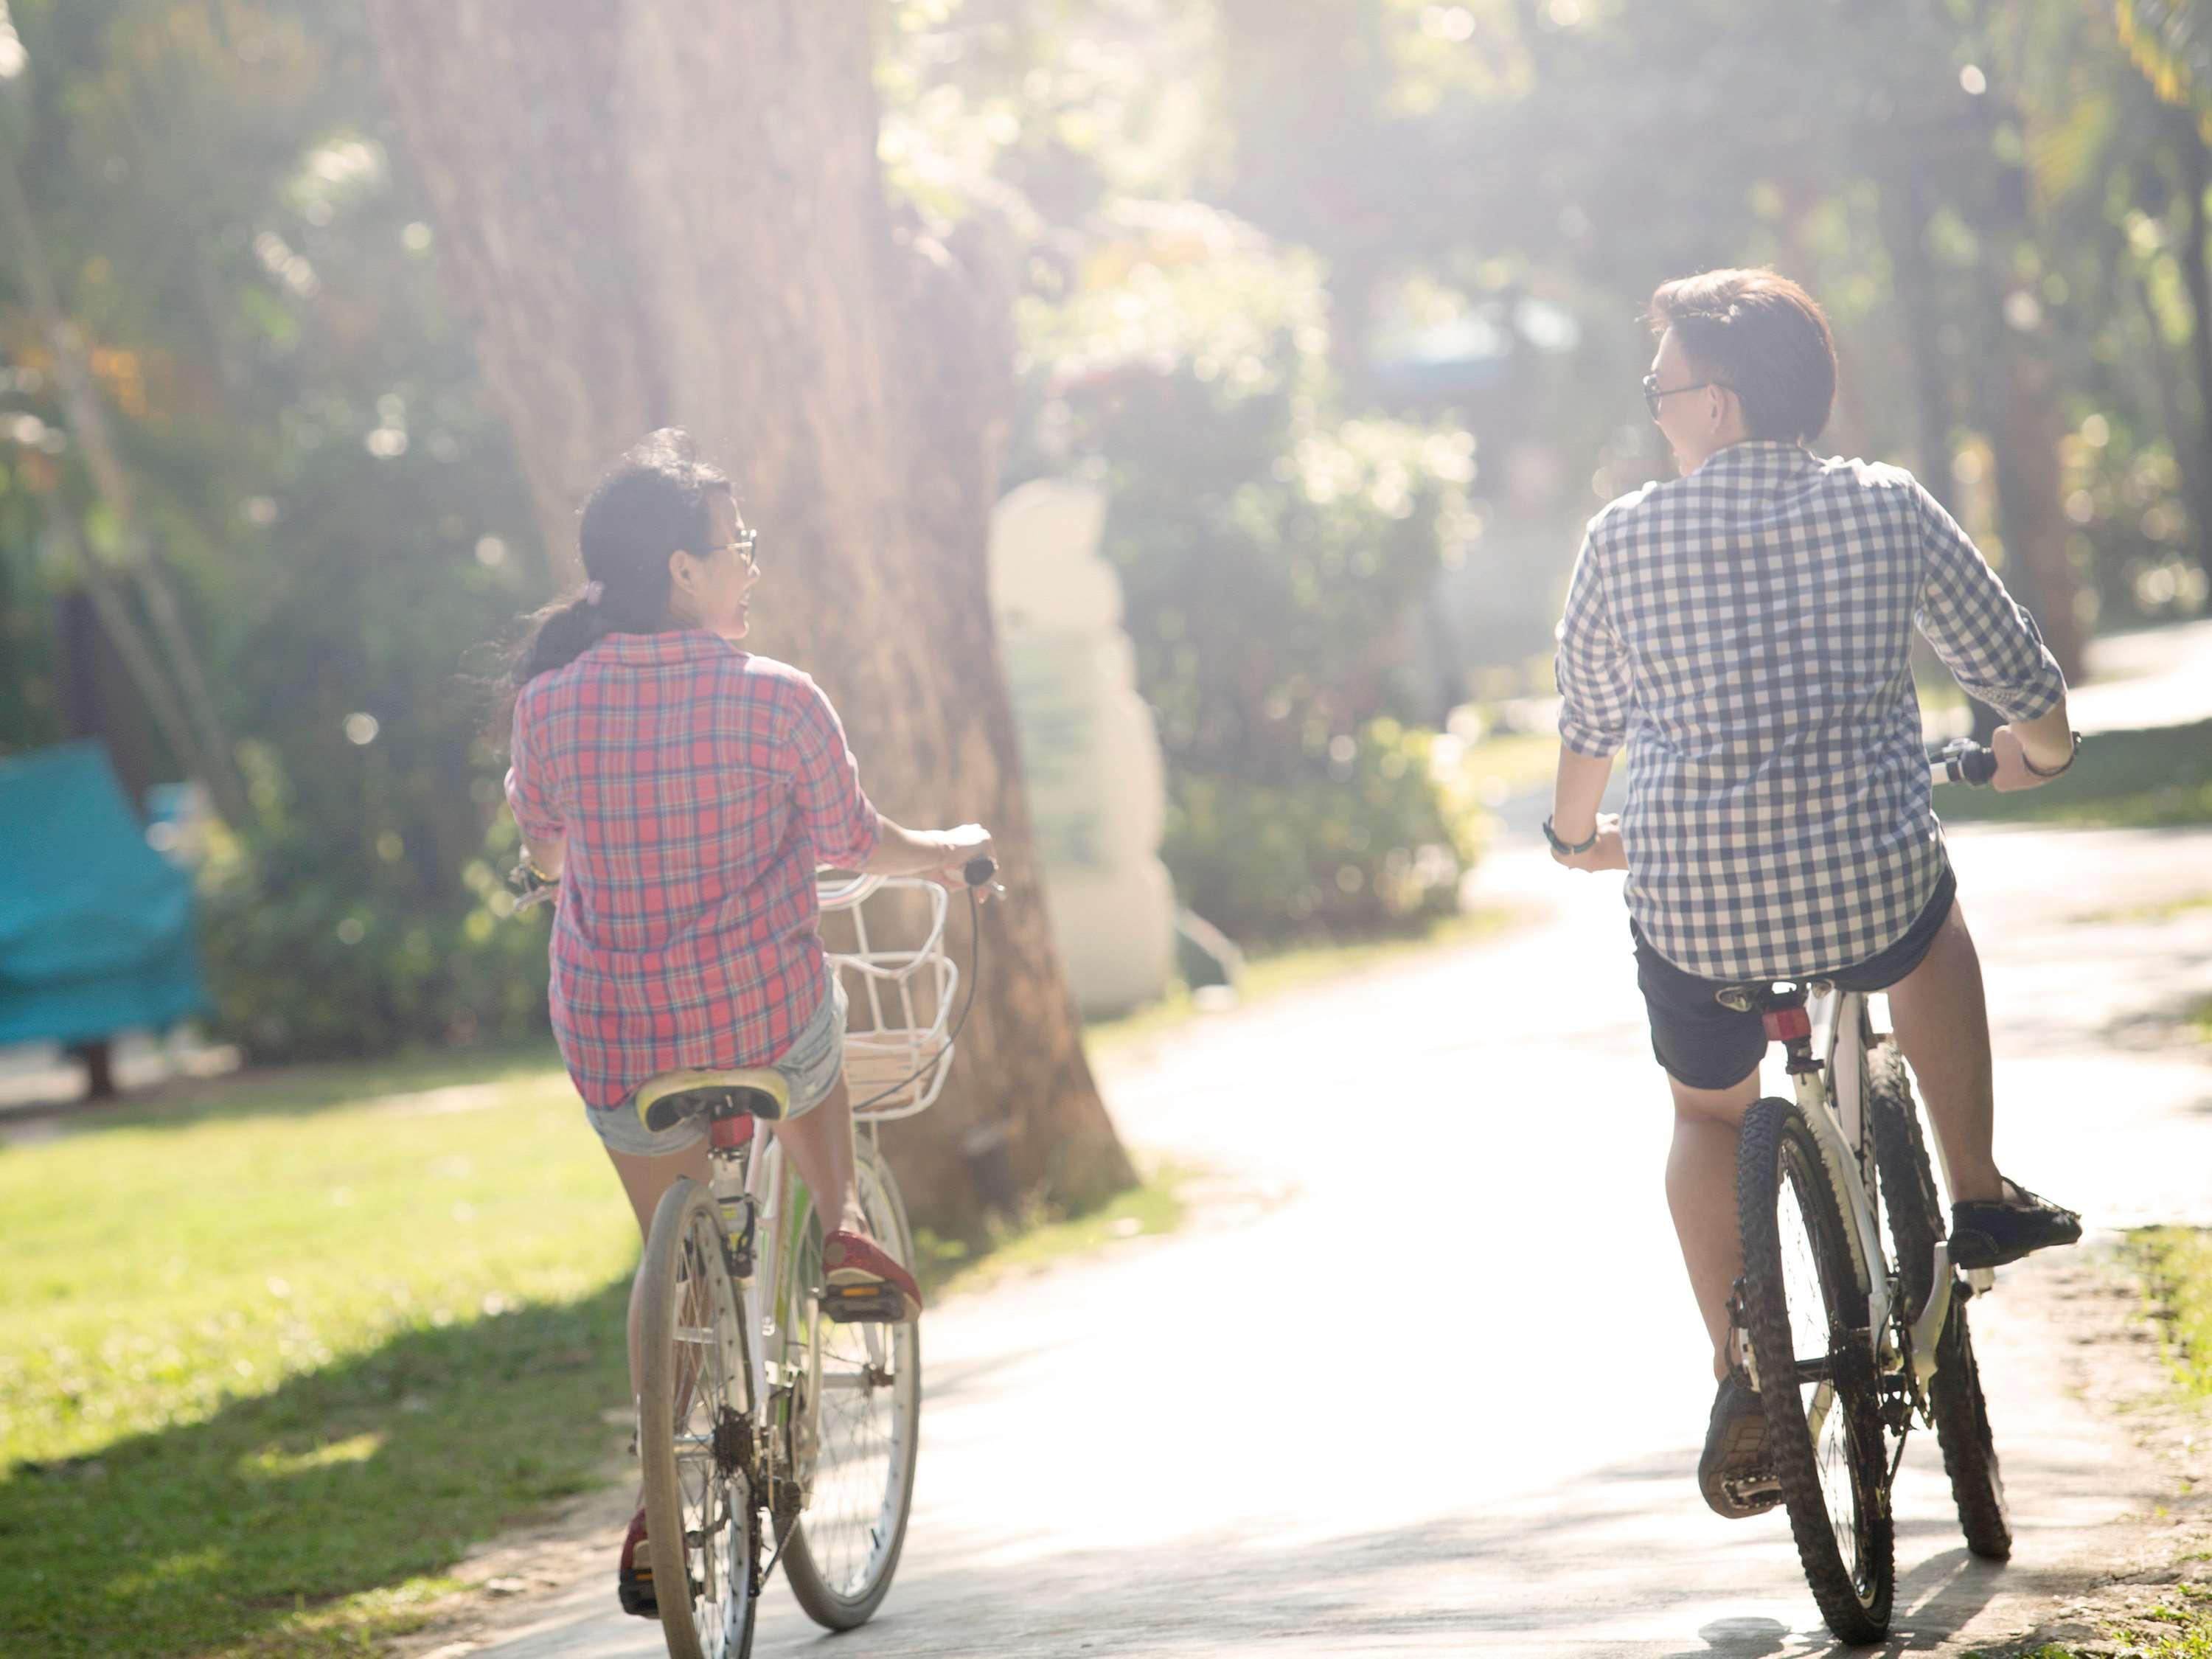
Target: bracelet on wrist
(2057, 770)
(1566, 849)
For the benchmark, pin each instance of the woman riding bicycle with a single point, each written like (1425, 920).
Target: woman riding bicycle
(684, 791)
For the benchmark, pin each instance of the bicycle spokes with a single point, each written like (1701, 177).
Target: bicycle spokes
(1805, 1311)
(1815, 1343)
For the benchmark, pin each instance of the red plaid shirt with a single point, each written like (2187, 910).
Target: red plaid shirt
(697, 787)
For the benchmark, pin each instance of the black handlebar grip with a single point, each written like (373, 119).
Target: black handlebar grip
(1977, 765)
(979, 870)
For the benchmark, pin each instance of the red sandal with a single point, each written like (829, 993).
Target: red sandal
(865, 1281)
(633, 1580)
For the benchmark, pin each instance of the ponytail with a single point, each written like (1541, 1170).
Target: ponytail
(558, 634)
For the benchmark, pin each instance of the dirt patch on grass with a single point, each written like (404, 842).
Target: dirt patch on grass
(2098, 1305)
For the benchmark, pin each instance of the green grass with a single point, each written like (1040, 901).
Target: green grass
(2176, 1263)
(2166, 910)
(268, 1365)
(2122, 780)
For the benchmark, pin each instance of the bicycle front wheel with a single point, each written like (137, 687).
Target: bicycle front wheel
(841, 1554)
(1806, 1315)
(695, 1433)
(1955, 1394)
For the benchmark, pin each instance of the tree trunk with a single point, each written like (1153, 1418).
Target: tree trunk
(1905, 229)
(669, 212)
(2181, 435)
(2021, 412)
(2194, 450)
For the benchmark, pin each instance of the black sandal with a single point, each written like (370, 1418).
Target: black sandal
(1736, 1473)
(1991, 1232)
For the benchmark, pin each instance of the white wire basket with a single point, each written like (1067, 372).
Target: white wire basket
(897, 1048)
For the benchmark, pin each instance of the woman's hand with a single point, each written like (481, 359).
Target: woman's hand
(962, 846)
(1605, 854)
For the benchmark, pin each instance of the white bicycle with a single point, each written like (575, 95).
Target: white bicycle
(1848, 1345)
(778, 1417)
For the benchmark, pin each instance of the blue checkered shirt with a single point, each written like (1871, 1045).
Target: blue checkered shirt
(1745, 629)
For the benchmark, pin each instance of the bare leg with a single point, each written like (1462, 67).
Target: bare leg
(821, 1148)
(645, 1179)
(1943, 1026)
(1701, 1193)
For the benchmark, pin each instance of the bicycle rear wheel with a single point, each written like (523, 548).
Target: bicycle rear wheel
(695, 1433)
(1807, 1319)
(841, 1556)
(1955, 1394)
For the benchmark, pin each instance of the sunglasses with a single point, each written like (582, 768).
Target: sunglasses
(1652, 393)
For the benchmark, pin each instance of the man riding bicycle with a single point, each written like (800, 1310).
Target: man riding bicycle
(1744, 630)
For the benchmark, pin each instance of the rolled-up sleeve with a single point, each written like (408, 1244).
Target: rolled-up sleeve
(840, 821)
(1988, 641)
(1591, 666)
(529, 794)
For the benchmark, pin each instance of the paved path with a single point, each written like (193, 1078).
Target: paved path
(1427, 1379)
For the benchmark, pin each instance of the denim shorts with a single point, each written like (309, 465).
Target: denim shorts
(811, 1065)
(1706, 1046)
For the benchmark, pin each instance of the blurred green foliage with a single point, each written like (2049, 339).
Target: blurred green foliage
(1274, 555)
(1374, 840)
(317, 464)
(1338, 297)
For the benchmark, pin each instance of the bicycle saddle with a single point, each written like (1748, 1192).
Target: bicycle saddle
(1768, 996)
(666, 1101)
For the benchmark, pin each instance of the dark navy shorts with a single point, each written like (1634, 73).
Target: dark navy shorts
(1709, 1046)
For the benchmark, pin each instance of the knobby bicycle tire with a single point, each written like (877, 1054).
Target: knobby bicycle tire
(1778, 1155)
(681, 1279)
(842, 1601)
(1916, 1223)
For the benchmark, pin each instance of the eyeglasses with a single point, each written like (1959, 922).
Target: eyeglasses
(1652, 393)
(744, 541)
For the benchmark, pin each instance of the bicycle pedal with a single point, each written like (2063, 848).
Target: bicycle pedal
(633, 1589)
(1754, 1491)
(856, 1304)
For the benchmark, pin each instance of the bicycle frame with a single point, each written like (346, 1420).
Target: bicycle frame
(754, 1173)
(1833, 1097)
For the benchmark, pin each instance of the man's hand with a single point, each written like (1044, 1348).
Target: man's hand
(1605, 854)
(2011, 771)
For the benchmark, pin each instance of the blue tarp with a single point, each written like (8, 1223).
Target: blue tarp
(95, 926)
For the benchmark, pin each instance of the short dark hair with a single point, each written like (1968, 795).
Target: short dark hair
(1761, 336)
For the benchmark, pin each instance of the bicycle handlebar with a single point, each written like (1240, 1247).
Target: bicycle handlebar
(532, 888)
(1963, 762)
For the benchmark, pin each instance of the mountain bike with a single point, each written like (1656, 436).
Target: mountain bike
(778, 1416)
(1849, 1345)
